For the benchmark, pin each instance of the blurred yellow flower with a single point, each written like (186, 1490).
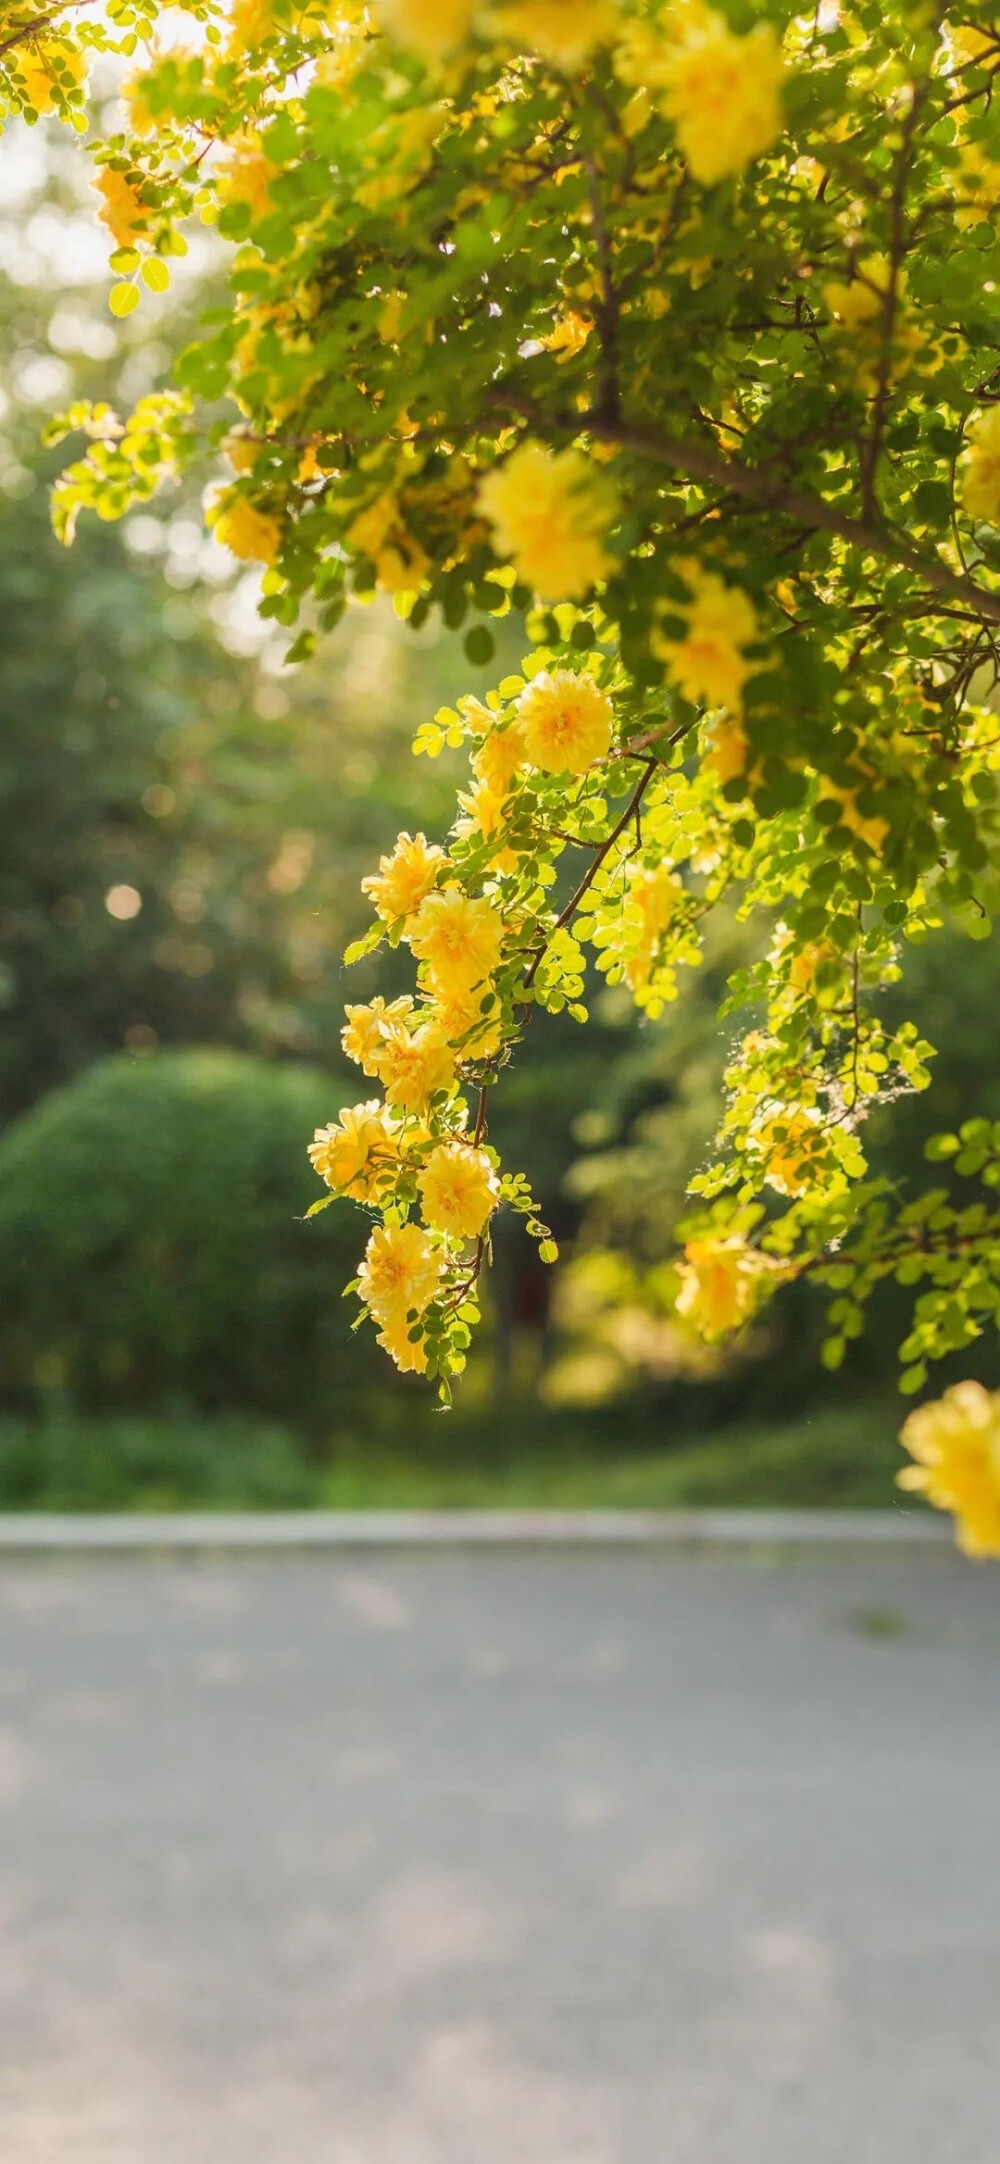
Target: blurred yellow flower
(956, 1444)
(254, 536)
(563, 31)
(722, 1280)
(709, 663)
(122, 210)
(430, 28)
(550, 512)
(46, 70)
(722, 92)
(981, 479)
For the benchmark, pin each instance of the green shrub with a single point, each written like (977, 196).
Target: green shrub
(152, 1249)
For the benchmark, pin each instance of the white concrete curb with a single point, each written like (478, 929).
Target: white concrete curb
(332, 1529)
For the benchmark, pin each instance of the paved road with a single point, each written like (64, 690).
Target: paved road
(505, 1859)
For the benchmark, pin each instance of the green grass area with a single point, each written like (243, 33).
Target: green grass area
(843, 1459)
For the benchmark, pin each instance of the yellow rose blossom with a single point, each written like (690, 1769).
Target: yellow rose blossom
(722, 1280)
(361, 1036)
(412, 1066)
(122, 210)
(722, 92)
(404, 877)
(242, 451)
(252, 535)
(956, 1444)
(430, 28)
(550, 512)
(460, 1018)
(499, 756)
(409, 1357)
(709, 664)
(563, 31)
(380, 533)
(399, 1275)
(458, 938)
(42, 70)
(459, 1190)
(981, 478)
(566, 721)
(357, 1153)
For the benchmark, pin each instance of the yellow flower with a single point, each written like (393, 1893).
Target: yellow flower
(380, 533)
(458, 938)
(653, 896)
(563, 31)
(242, 451)
(721, 1284)
(459, 1190)
(122, 211)
(361, 1036)
(43, 71)
(956, 1444)
(867, 825)
(788, 1142)
(501, 753)
(247, 176)
(981, 483)
(399, 1275)
(412, 1067)
(358, 1153)
(722, 92)
(568, 336)
(462, 1023)
(566, 721)
(405, 877)
(550, 513)
(709, 664)
(727, 750)
(430, 28)
(484, 810)
(410, 1358)
(250, 24)
(252, 535)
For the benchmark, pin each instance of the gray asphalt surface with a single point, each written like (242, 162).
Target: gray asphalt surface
(500, 1859)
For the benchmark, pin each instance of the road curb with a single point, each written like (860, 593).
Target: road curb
(333, 1529)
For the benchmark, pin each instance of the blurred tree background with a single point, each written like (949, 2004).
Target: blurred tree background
(185, 824)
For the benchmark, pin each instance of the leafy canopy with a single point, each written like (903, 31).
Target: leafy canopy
(673, 326)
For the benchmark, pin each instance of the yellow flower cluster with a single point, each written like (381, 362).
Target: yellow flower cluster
(653, 895)
(458, 1190)
(551, 513)
(358, 1153)
(709, 664)
(955, 1443)
(981, 482)
(722, 1280)
(380, 532)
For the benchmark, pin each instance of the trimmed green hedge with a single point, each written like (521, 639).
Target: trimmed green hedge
(152, 1249)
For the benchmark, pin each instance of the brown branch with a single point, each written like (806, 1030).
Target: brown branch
(592, 870)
